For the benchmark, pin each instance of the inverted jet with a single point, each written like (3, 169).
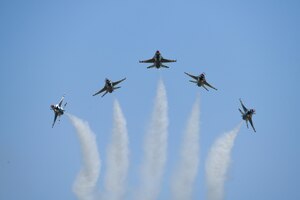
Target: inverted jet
(58, 110)
(109, 87)
(247, 115)
(157, 61)
(200, 81)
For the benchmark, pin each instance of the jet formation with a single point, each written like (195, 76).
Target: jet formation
(157, 61)
(247, 115)
(58, 110)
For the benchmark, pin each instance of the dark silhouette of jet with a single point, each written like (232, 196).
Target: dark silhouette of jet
(200, 81)
(109, 87)
(157, 61)
(58, 110)
(247, 115)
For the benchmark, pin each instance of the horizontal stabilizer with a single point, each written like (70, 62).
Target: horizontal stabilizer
(205, 87)
(104, 94)
(164, 66)
(193, 81)
(151, 66)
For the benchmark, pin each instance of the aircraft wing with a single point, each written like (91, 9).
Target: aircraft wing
(163, 60)
(209, 85)
(102, 90)
(244, 108)
(61, 100)
(192, 76)
(117, 82)
(55, 117)
(152, 60)
(251, 122)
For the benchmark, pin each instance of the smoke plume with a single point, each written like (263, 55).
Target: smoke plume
(85, 183)
(117, 157)
(155, 147)
(217, 164)
(185, 174)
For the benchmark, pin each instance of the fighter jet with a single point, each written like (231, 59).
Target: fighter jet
(200, 81)
(247, 115)
(58, 110)
(157, 61)
(109, 87)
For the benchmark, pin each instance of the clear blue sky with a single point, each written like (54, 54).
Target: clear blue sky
(248, 50)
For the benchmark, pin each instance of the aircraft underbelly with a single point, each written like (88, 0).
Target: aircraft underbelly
(157, 64)
(246, 117)
(200, 84)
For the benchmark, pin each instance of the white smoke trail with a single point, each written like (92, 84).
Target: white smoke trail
(217, 164)
(117, 157)
(155, 147)
(85, 183)
(185, 174)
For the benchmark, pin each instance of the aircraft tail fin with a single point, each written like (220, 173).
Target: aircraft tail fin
(164, 66)
(117, 87)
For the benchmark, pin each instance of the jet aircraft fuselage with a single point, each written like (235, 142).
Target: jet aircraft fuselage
(109, 86)
(248, 115)
(201, 80)
(157, 59)
(57, 109)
